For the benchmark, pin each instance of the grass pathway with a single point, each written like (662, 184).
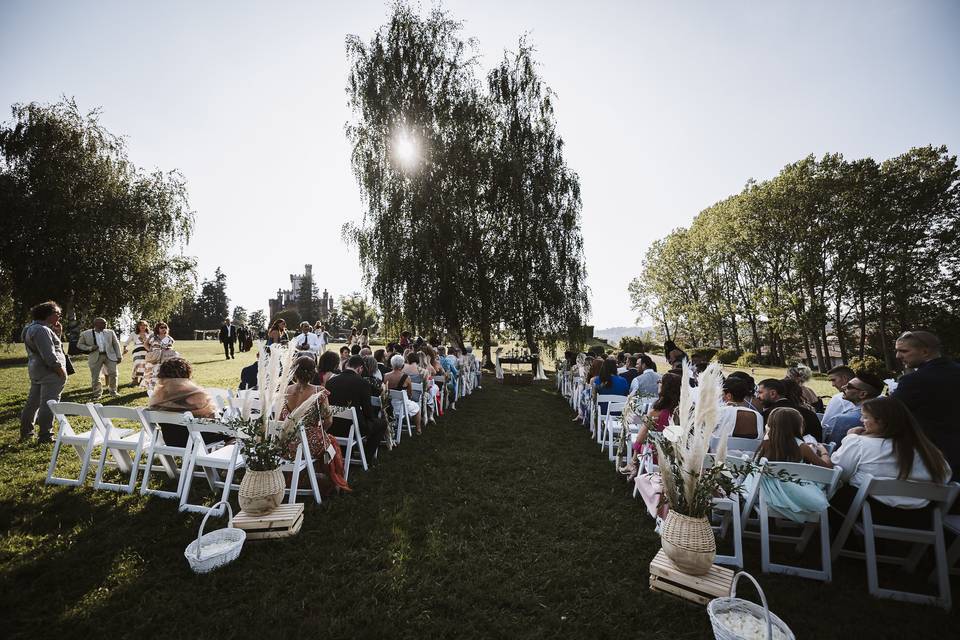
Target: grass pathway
(504, 520)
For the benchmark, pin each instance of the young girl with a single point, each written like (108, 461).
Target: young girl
(783, 444)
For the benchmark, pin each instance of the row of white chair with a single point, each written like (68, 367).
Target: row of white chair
(751, 514)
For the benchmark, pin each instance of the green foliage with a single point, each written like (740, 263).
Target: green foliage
(357, 312)
(258, 321)
(870, 364)
(808, 253)
(634, 344)
(82, 224)
(597, 351)
(727, 356)
(747, 359)
(240, 316)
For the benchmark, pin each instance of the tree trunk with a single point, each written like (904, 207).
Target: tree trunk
(735, 335)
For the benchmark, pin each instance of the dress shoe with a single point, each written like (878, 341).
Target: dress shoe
(48, 439)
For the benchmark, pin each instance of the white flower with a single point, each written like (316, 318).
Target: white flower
(672, 432)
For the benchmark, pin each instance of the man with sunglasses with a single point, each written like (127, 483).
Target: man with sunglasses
(857, 391)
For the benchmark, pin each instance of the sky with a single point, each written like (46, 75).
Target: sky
(666, 107)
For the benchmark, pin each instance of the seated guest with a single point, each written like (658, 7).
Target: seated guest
(856, 392)
(451, 369)
(349, 389)
(248, 375)
(372, 375)
(811, 422)
(750, 399)
(327, 367)
(630, 372)
(737, 417)
(308, 403)
(621, 363)
(397, 380)
(931, 392)
(890, 445)
(783, 444)
(378, 355)
(307, 341)
(608, 382)
(801, 374)
(278, 332)
(355, 350)
(176, 392)
(645, 383)
(838, 404)
(661, 412)
(344, 356)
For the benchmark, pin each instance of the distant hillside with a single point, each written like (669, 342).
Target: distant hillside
(613, 334)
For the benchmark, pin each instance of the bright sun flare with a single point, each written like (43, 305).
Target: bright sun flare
(406, 150)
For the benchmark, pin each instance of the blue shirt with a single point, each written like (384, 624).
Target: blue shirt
(842, 424)
(618, 386)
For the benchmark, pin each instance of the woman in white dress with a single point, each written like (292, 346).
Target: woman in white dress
(397, 380)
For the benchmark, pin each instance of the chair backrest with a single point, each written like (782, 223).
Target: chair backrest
(151, 421)
(417, 388)
(61, 411)
(348, 413)
(604, 400)
(197, 430)
(941, 493)
(109, 413)
(398, 394)
(829, 478)
(615, 408)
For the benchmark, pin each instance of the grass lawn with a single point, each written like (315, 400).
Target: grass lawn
(504, 520)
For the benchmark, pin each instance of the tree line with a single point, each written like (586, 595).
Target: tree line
(471, 220)
(828, 252)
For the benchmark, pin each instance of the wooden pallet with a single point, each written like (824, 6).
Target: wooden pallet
(666, 578)
(282, 522)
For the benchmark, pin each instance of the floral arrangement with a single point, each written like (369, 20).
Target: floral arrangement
(681, 449)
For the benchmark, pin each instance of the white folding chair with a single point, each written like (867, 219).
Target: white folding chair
(210, 459)
(744, 444)
(167, 454)
(860, 519)
(727, 510)
(82, 442)
(441, 382)
(613, 425)
(420, 398)
(220, 396)
(952, 524)
(829, 479)
(303, 460)
(353, 439)
(397, 401)
(603, 411)
(119, 442)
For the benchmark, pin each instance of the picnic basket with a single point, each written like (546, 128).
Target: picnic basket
(215, 549)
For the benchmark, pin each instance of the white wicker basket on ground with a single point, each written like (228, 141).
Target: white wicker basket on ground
(734, 618)
(217, 548)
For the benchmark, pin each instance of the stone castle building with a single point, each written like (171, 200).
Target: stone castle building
(289, 298)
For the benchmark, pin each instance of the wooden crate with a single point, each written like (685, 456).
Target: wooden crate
(282, 522)
(666, 578)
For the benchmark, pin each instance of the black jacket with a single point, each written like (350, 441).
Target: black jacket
(932, 393)
(228, 334)
(248, 376)
(350, 390)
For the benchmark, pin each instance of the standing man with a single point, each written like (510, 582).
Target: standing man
(307, 341)
(47, 367)
(931, 392)
(103, 349)
(228, 335)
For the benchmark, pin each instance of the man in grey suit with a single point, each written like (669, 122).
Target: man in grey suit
(104, 352)
(47, 367)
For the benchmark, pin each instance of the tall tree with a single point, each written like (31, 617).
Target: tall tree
(258, 321)
(240, 316)
(82, 224)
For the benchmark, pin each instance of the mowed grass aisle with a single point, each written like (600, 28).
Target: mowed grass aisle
(504, 520)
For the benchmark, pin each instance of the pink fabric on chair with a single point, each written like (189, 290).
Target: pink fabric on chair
(650, 488)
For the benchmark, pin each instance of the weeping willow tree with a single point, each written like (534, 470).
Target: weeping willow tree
(540, 262)
(417, 121)
(471, 217)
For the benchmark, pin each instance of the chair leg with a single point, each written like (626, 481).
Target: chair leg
(737, 534)
(873, 583)
(764, 537)
(295, 476)
(827, 563)
(943, 569)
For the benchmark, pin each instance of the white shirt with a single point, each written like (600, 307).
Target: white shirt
(837, 406)
(621, 370)
(101, 337)
(860, 455)
(312, 342)
(322, 337)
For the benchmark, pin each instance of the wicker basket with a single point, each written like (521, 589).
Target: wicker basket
(261, 491)
(689, 543)
(217, 548)
(735, 605)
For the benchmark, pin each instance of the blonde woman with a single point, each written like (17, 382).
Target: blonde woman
(138, 340)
